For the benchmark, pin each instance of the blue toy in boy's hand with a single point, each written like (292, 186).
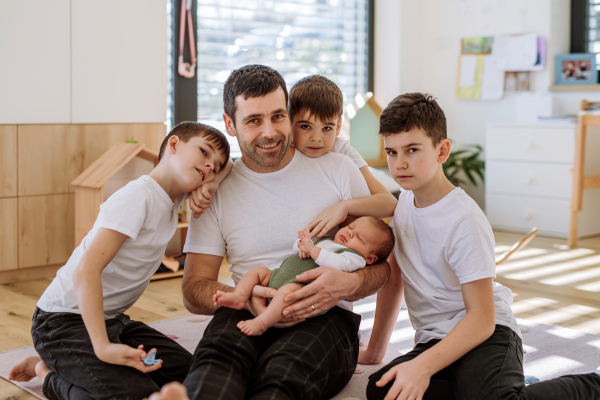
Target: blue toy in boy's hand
(149, 360)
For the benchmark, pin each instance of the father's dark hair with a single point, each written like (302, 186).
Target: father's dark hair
(250, 81)
(189, 129)
(411, 110)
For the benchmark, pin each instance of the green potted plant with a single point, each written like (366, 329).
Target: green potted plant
(465, 162)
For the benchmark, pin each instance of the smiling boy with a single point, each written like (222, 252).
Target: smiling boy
(467, 342)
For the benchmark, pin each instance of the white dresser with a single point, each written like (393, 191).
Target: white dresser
(529, 179)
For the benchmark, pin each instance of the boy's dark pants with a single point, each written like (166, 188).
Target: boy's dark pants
(64, 345)
(492, 370)
(314, 359)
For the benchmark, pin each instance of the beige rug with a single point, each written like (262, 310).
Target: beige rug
(551, 351)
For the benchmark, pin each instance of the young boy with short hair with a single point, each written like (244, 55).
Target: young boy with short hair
(467, 342)
(89, 349)
(315, 107)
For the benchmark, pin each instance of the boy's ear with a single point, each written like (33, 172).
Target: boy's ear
(338, 128)
(229, 125)
(371, 259)
(444, 151)
(172, 144)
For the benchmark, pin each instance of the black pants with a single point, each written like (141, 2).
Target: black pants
(312, 360)
(492, 370)
(64, 345)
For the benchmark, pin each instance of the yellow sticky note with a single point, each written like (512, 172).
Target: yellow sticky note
(470, 92)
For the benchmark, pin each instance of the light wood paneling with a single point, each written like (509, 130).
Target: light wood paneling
(51, 156)
(46, 230)
(8, 160)
(8, 234)
(35, 61)
(28, 274)
(87, 208)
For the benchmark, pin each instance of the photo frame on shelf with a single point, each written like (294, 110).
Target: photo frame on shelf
(576, 69)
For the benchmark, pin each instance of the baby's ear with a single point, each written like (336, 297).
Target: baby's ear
(371, 259)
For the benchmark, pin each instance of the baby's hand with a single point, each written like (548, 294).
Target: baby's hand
(305, 245)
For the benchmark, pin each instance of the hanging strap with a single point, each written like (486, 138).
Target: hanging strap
(186, 9)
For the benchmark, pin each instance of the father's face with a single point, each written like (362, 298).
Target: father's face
(262, 127)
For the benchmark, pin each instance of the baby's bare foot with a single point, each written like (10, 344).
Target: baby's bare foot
(24, 371)
(252, 327)
(231, 300)
(171, 391)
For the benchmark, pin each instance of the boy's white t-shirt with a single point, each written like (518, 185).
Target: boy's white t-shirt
(346, 261)
(253, 216)
(141, 210)
(342, 146)
(438, 248)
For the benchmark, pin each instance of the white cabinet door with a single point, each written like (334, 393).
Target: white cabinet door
(35, 64)
(119, 61)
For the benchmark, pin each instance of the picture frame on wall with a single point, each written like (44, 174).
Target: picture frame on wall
(576, 69)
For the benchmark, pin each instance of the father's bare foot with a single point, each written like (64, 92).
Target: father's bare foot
(24, 371)
(252, 327)
(231, 300)
(171, 391)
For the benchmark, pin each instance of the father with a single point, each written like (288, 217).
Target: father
(271, 193)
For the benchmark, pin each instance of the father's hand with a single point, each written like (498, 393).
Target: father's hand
(330, 286)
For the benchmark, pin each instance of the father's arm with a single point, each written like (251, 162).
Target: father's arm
(332, 285)
(200, 283)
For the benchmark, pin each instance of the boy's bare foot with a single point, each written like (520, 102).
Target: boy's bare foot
(24, 371)
(41, 370)
(252, 327)
(231, 300)
(171, 391)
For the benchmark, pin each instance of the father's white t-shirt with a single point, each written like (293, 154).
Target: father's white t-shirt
(438, 248)
(254, 217)
(141, 210)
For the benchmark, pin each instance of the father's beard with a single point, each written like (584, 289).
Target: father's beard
(266, 161)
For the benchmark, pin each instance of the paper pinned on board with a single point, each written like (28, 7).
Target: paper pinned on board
(519, 53)
(468, 67)
(492, 80)
(471, 92)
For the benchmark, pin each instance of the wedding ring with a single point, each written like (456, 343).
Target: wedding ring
(313, 307)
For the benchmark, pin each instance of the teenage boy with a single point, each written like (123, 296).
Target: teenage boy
(88, 348)
(468, 343)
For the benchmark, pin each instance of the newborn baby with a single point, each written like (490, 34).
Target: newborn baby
(363, 242)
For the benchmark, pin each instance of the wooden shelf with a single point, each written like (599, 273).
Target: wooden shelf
(182, 225)
(575, 88)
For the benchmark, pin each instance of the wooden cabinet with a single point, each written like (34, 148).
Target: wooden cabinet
(35, 61)
(8, 161)
(8, 234)
(51, 156)
(37, 165)
(46, 230)
(529, 180)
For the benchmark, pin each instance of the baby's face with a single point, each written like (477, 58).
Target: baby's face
(312, 136)
(361, 236)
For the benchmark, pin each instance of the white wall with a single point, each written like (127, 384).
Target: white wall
(429, 47)
(83, 61)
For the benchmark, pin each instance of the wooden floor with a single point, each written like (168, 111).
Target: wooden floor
(552, 284)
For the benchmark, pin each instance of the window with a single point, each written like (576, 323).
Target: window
(585, 27)
(296, 37)
(593, 30)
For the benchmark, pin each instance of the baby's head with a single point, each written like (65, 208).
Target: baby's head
(369, 236)
(315, 107)
(193, 153)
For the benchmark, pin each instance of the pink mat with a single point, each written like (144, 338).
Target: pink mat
(551, 351)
